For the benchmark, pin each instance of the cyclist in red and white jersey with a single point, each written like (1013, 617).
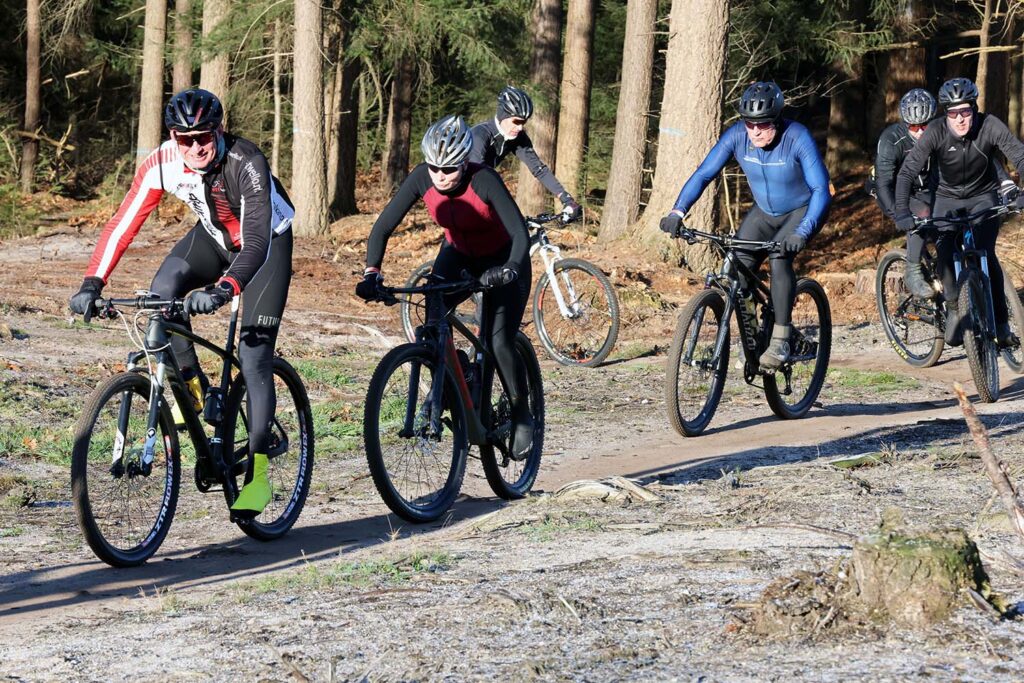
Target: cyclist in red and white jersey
(241, 242)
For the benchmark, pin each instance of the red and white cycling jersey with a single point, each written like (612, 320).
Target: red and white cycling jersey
(239, 203)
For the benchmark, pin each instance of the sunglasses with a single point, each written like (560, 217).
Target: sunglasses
(960, 113)
(518, 122)
(916, 127)
(759, 125)
(202, 138)
(447, 170)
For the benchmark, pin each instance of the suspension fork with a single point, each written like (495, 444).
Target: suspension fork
(551, 255)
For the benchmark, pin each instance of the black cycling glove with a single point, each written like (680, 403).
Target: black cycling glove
(368, 289)
(210, 299)
(498, 276)
(84, 302)
(672, 224)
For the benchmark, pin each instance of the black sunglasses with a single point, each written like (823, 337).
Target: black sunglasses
(447, 170)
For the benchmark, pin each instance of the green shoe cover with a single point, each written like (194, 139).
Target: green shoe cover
(255, 495)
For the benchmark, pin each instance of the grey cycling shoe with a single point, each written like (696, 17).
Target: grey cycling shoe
(1005, 337)
(778, 351)
(913, 278)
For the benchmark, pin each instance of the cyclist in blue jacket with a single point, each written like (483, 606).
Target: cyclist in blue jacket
(791, 192)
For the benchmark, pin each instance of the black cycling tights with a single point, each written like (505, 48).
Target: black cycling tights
(504, 306)
(985, 234)
(758, 225)
(196, 261)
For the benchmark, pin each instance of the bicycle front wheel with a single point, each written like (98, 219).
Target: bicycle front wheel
(585, 331)
(124, 483)
(803, 375)
(1014, 357)
(411, 310)
(416, 450)
(979, 341)
(913, 326)
(513, 478)
(290, 451)
(695, 375)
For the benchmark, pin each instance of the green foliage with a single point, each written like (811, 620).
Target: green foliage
(17, 213)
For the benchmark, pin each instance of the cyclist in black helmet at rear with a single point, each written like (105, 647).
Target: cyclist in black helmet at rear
(961, 144)
(496, 139)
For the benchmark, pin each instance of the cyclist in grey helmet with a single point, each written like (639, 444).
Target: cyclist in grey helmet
(494, 140)
(961, 145)
(484, 234)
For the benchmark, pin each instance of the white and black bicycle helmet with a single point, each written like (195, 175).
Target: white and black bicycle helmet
(193, 110)
(761, 101)
(917, 107)
(957, 91)
(513, 102)
(447, 142)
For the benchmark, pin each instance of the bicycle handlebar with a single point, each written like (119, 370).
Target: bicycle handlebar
(727, 241)
(544, 218)
(990, 212)
(106, 308)
(388, 297)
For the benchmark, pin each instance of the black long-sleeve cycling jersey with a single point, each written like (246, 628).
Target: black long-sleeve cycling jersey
(478, 215)
(894, 144)
(490, 147)
(965, 164)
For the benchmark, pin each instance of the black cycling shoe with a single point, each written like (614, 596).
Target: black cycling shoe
(522, 435)
(913, 279)
(1005, 337)
(954, 332)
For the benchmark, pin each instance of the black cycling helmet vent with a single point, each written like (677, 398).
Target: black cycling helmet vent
(762, 101)
(193, 110)
(958, 91)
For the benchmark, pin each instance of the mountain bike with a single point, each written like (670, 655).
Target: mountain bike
(915, 328)
(429, 401)
(126, 460)
(699, 356)
(575, 310)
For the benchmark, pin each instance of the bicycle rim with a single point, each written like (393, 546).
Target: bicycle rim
(1014, 357)
(411, 310)
(585, 333)
(695, 377)
(290, 457)
(123, 507)
(417, 471)
(792, 390)
(912, 326)
(979, 342)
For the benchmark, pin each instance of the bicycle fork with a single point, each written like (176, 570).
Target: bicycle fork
(551, 254)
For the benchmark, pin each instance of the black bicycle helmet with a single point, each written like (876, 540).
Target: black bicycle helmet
(917, 107)
(958, 91)
(514, 102)
(193, 110)
(762, 101)
(447, 141)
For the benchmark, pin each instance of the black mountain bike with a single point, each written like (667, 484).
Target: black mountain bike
(428, 401)
(915, 327)
(126, 462)
(699, 356)
(575, 310)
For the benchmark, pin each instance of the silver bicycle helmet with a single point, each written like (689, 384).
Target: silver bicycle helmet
(917, 107)
(447, 142)
(514, 102)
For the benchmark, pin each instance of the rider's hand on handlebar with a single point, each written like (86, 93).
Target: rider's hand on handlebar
(905, 223)
(1008, 192)
(498, 276)
(368, 289)
(84, 302)
(793, 243)
(570, 209)
(210, 299)
(673, 225)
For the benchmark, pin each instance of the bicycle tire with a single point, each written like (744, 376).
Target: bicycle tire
(585, 351)
(289, 471)
(436, 503)
(1014, 358)
(812, 336)
(979, 342)
(913, 327)
(694, 348)
(95, 465)
(513, 479)
(410, 313)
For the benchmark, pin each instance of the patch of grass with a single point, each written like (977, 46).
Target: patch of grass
(550, 526)
(879, 381)
(17, 213)
(338, 426)
(11, 532)
(330, 372)
(50, 444)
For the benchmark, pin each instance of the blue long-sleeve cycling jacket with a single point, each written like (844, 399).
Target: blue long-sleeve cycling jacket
(784, 176)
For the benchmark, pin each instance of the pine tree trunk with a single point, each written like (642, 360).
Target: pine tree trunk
(30, 147)
(275, 147)
(907, 66)
(345, 193)
(993, 67)
(151, 96)
(622, 199)
(333, 47)
(545, 65)
(309, 179)
(689, 126)
(396, 147)
(981, 78)
(213, 75)
(574, 116)
(181, 78)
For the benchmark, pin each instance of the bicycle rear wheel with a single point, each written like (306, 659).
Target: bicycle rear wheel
(913, 326)
(124, 506)
(586, 332)
(1014, 357)
(510, 479)
(979, 341)
(290, 467)
(417, 471)
(803, 375)
(695, 376)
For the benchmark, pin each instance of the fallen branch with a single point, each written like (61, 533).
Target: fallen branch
(59, 144)
(994, 467)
